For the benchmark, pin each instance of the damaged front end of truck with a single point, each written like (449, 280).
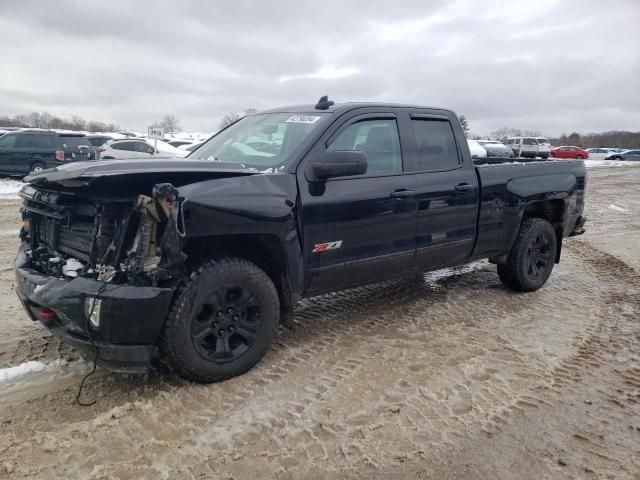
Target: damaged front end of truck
(135, 241)
(101, 254)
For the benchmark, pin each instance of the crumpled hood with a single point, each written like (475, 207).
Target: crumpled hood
(180, 171)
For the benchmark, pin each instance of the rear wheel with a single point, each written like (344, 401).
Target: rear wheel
(222, 322)
(532, 256)
(545, 157)
(37, 167)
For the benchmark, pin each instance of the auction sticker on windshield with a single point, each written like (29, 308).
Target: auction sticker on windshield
(303, 119)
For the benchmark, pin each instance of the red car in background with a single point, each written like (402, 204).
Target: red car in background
(569, 152)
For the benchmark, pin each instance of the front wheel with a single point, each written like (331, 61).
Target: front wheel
(222, 321)
(531, 258)
(579, 157)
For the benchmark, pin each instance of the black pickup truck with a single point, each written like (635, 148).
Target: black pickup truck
(195, 261)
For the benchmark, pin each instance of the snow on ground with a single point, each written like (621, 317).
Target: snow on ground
(10, 374)
(432, 278)
(610, 163)
(36, 371)
(32, 379)
(618, 209)
(9, 188)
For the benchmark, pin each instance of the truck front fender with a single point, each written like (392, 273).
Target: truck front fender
(251, 214)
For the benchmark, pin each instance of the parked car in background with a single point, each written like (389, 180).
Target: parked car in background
(599, 153)
(34, 150)
(138, 148)
(191, 147)
(529, 147)
(570, 152)
(625, 155)
(477, 150)
(98, 140)
(495, 148)
(179, 142)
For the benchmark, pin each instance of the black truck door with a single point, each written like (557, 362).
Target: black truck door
(447, 190)
(359, 228)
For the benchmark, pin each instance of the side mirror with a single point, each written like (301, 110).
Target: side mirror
(339, 163)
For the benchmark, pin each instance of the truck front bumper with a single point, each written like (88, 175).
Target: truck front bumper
(131, 317)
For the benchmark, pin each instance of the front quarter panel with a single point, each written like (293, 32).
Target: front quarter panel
(247, 205)
(236, 205)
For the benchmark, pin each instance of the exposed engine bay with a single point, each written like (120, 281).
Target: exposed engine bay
(132, 240)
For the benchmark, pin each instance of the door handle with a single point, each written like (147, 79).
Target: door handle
(464, 187)
(402, 193)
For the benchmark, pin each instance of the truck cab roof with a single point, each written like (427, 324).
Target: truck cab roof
(347, 106)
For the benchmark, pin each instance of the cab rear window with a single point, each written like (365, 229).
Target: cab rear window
(75, 141)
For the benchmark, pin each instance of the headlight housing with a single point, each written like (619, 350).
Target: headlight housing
(92, 308)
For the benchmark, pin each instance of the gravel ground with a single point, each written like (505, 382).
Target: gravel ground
(427, 377)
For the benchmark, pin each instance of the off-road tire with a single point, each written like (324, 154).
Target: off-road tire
(516, 272)
(177, 347)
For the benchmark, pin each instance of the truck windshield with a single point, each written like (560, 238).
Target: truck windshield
(260, 141)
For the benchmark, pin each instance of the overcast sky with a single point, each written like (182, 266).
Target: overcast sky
(550, 65)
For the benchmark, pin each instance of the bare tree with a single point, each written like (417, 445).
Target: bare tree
(465, 124)
(250, 111)
(169, 123)
(228, 119)
(77, 123)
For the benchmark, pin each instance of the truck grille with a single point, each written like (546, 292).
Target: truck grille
(75, 239)
(61, 224)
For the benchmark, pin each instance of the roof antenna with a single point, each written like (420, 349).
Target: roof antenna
(324, 103)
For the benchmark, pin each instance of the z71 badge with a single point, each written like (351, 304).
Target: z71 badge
(323, 247)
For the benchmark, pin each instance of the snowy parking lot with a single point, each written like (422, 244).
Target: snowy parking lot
(446, 375)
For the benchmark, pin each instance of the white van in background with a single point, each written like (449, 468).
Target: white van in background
(529, 147)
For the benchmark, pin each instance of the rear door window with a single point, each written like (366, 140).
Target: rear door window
(24, 141)
(43, 141)
(128, 146)
(144, 148)
(436, 145)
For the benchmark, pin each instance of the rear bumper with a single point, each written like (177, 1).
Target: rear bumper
(131, 318)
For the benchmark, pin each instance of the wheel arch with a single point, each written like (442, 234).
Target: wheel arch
(266, 251)
(37, 159)
(554, 212)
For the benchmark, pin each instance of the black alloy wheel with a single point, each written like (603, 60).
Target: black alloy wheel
(221, 322)
(227, 324)
(532, 256)
(539, 255)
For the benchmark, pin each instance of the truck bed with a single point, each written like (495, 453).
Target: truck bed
(507, 185)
